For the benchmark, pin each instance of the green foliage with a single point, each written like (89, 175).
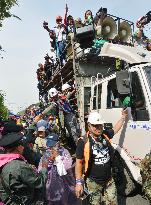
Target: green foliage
(5, 6)
(3, 108)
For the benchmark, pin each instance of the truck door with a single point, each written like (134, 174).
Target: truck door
(134, 137)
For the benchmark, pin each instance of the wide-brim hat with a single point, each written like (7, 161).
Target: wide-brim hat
(11, 140)
(10, 126)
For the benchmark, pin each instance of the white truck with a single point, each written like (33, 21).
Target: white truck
(104, 80)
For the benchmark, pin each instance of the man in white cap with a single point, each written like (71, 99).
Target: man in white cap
(65, 88)
(69, 92)
(94, 153)
(61, 108)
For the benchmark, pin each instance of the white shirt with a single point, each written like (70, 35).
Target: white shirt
(59, 31)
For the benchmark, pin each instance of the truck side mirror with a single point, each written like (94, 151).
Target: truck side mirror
(123, 82)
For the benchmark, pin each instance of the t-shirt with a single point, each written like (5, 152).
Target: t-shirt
(100, 159)
(60, 33)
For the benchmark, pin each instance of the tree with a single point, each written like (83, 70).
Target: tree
(5, 6)
(3, 108)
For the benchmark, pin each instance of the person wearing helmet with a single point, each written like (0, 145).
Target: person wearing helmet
(94, 153)
(65, 88)
(60, 33)
(69, 92)
(61, 108)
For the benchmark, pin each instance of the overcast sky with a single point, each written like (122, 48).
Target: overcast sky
(26, 42)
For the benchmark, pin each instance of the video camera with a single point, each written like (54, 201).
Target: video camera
(45, 25)
(102, 11)
(148, 15)
(47, 57)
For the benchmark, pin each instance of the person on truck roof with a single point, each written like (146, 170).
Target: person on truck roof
(60, 34)
(88, 18)
(94, 155)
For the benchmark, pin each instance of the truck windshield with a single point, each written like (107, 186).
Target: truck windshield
(148, 75)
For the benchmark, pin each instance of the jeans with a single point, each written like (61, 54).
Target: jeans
(61, 47)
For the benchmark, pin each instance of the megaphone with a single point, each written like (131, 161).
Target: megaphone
(109, 28)
(125, 31)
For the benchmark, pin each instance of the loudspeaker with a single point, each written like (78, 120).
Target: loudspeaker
(109, 28)
(85, 36)
(125, 31)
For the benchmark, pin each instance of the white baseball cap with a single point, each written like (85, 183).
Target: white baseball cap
(65, 86)
(95, 118)
(53, 92)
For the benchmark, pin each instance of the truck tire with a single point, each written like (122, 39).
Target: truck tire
(124, 183)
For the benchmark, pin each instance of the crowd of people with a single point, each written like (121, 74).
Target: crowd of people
(65, 30)
(43, 154)
(44, 159)
(60, 36)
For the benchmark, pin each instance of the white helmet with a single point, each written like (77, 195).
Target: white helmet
(53, 92)
(95, 118)
(65, 86)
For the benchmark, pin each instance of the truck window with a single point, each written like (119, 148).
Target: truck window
(87, 95)
(99, 97)
(139, 111)
(113, 98)
(138, 96)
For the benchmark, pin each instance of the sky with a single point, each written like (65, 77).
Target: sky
(26, 42)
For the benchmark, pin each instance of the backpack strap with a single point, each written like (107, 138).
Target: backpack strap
(86, 141)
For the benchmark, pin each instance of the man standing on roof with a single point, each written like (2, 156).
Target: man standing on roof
(60, 33)
(94, 151)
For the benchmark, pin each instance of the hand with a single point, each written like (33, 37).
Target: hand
(125, 113)
(44, 164)
(54, 154)
(79, 190)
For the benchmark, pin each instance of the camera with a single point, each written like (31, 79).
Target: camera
(45, 24)
(101, 11)
(148, 15)
(47, 57)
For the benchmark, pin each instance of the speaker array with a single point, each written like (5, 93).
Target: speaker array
(112, 29)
